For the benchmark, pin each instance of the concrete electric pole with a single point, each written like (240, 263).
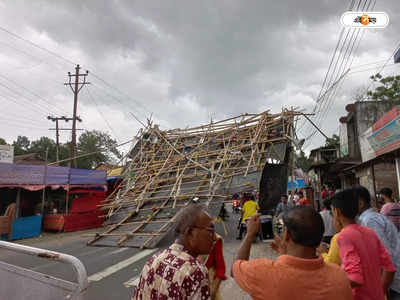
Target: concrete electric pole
(57, 129)
(76, 87)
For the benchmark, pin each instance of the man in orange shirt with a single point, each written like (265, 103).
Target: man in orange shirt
(298, 273)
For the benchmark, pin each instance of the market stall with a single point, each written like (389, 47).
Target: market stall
(33, 188)
(84, 212)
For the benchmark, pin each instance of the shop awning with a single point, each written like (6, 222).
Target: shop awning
(115, 172)
(36, 177)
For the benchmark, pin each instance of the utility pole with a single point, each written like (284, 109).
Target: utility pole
(56, 119)
(58, 129)
(293, 162)
(76, 88)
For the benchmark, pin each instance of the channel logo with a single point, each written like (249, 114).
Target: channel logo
(365, 19)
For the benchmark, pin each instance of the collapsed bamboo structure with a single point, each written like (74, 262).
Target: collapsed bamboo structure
(168, 169)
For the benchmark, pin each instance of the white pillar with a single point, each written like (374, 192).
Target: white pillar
(398, 176)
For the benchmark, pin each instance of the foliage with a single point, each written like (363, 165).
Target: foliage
(389, 88)
(40, 146)
(93, 142)
(21, 145)
(334, 141)
(303, 162)
(3, 141)
(100, 144)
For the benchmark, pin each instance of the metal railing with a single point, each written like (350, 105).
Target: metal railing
(21, 283)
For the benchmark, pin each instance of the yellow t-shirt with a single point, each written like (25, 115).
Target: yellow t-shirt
(333, 256)
(249, 209)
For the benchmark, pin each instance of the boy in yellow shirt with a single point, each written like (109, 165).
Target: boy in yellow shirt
(249, 209)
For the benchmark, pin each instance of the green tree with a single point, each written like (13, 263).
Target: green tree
(102, 147)
(303, 162)
(41, 145)
(334, 141)
(3, 141)
(21, 145)
(389, 88)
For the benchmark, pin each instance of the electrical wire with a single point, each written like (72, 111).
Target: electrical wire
(328, 100)
(101, 114)
(373, 68)
(60, 111)
(34, 106)
(70, 62)
(117, 99)
(381, 69)
(9, 114)
(324, 85)
(36, 45)
(119, 91)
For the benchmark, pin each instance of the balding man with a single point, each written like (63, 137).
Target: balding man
(297, 273)
(175, 273)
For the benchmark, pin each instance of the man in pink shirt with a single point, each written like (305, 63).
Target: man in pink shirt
(362, 254)
(298, 273)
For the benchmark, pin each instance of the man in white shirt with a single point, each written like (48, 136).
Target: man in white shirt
(327, 217)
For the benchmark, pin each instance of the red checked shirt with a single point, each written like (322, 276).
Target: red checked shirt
(173, 274)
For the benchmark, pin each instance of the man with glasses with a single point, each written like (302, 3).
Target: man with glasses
(175, 273)
(298, 273)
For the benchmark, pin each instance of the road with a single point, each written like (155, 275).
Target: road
(112, 272)
(109, 269)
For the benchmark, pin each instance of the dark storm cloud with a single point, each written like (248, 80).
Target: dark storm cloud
(185, 60)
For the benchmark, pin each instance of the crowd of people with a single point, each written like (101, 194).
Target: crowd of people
(347, 251)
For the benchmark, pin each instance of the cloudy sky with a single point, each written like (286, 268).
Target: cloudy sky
(180, 62)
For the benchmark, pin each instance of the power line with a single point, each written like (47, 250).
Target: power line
(121, 102)
(70, 62)
(327, 100)
(26, 121)
(15, 123)
(346, 65)
(19, 118)
(35, 106)
(36, 45)
(101, 114)
(324, 83)
(381, 69)
(119, 91)
(33, 93)
(372, 68)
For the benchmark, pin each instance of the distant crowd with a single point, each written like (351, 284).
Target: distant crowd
(347, 251)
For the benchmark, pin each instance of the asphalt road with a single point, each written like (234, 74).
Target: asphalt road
(111, 271)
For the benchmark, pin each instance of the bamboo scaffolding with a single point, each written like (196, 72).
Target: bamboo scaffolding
(170, 168)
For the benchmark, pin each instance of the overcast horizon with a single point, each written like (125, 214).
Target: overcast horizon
(180, 62)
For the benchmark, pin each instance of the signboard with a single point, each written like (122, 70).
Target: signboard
(344, 142)
(367, 152)
(6, 154)
(382, 137)
(298, 184)
(387, 137)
